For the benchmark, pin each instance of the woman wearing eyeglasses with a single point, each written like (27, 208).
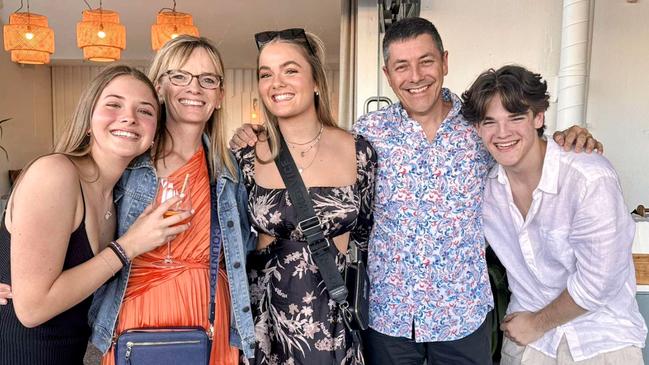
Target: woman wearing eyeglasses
(188, 74)
(296, 321)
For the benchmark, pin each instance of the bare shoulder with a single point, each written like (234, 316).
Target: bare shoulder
(51, 177)
(340, 140)
(51, 170)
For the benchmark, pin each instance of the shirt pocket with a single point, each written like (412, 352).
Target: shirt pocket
(555, 256)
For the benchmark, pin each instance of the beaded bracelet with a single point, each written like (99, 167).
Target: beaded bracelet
(119, 251)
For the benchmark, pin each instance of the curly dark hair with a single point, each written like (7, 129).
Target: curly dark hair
(520, 90)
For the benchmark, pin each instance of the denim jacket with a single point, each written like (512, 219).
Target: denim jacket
(136, 190)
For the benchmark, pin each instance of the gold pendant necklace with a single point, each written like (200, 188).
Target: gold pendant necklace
(302, 169)
(108, 214)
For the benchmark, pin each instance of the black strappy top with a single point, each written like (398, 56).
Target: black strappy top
(62, 339)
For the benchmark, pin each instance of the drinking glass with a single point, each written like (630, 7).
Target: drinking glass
(168, 189)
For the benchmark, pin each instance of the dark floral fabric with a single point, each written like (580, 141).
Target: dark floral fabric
(295, 320)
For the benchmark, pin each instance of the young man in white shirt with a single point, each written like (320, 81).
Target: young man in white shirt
(558, 223)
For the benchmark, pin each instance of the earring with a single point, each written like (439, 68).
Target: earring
(317, 93)
(88, 134)
(152, 142)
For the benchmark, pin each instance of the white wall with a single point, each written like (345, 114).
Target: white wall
(25, 96)
(618, 97)
(491, 33)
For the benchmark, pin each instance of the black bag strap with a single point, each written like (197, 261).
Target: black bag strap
(215, 250)
(309, 225)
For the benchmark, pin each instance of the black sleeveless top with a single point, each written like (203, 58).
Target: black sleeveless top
(62, 339)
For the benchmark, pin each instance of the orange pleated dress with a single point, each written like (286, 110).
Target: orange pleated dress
(162, 297)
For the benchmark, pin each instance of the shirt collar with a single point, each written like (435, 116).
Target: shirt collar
(143, 160)
(549, 182)
(550, 175)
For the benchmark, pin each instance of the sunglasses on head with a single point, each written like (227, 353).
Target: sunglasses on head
(288, 34)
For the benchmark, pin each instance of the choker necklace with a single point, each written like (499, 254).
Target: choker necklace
(317, 136)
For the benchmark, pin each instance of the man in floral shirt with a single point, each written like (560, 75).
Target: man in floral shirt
(430, 290)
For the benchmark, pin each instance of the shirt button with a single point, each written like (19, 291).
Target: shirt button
(252, 346)
(230, 224)
(237, 265)
(246, 309)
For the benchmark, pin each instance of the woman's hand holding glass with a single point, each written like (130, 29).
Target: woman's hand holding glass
(152, 228)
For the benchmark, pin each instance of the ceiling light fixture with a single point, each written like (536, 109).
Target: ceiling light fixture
(28, 38)
(100, 34)
(169, 25)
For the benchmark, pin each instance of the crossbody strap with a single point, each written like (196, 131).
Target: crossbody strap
(309, 224)
(215, 250)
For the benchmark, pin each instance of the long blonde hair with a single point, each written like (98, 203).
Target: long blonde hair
(322, 102)
(173, 54)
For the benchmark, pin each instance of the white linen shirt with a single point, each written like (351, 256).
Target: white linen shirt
(577, 235)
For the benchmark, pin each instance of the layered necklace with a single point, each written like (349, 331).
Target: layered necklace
(308, 146)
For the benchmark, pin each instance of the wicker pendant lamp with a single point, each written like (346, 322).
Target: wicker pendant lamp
(100, 35)
(28, 38)
(170, 24)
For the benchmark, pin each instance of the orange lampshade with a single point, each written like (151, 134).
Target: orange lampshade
(100, 35)
(28, 38)
(169, 25)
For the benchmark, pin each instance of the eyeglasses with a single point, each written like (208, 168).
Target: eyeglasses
(184, 78)
(288, 34)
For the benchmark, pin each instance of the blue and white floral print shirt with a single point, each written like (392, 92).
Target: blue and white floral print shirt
(426, 252)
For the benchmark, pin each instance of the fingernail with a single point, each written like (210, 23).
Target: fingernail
(10, 295)
(3, 302)
(192, 211)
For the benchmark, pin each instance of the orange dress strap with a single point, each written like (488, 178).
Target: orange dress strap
(166, 297)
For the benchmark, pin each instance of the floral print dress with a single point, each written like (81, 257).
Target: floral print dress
(296, 322)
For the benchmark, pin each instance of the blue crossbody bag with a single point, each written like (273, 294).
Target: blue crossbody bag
(170, 345)
(162, 346)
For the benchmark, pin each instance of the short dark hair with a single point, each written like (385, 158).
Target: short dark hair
(409, 28)
(520, 90)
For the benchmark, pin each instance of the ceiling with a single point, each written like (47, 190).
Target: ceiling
(229, 24)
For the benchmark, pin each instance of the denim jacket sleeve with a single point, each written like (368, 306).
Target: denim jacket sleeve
(250, 238)
(237, 241)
